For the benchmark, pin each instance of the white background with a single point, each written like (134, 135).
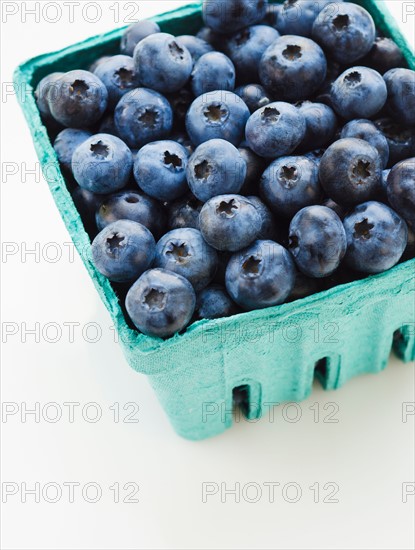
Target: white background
(368, 453)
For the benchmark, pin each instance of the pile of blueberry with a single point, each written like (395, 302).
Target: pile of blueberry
(267, 158)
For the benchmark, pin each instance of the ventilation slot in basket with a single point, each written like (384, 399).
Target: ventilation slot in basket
(321, 371)
(246, 399)
(404, 342)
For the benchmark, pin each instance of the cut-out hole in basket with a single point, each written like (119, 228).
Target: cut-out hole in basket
(321, 370)
(240, 399)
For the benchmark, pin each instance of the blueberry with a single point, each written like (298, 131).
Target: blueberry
(42, 92)
(292, 68)
(213, 303)
(304, 286)
(315, 155)
(215, 168)
(87, 204)
(98, 62)
(384, 56)
(180, 102)
(297, 16)
(160, 303)
(107, 125)
(77, 99)
(269, 229)
(229, 222)
(135, 33)
(65, 144)
(321, 125)
(376, 237)
(142, 116)
(401, 139)
(400, 189)
(289, 184)
(163, 65)
(213, 71)
(317, 241)
(102, 164)
(359, 92)
(275, 130)
(401, 95)
(185, 252)
(218, 114)
(196, 46)
(272, 15)
(160, 170)
(254, 95)
(184, 213)
(260, 276)
(255, 166)
(347, 32)
(246, 47)
(211, 37)
(226, 16)
(119, 76)
(341, 211)
(366, 130)
(123, 250)
(351, 171)
(134, 206)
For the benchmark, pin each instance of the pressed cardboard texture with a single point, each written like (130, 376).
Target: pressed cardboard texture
(345, 331)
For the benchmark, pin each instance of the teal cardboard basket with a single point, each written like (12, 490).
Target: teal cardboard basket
(263, 357)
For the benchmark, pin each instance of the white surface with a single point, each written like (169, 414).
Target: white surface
(368, 453)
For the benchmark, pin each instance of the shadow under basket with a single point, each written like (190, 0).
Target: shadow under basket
(251, 359)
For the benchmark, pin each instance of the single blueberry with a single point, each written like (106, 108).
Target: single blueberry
(275, 130)
(196, 46)
(289, 184)
(77, 99)
(135, 33)
(269, 229)
(400, 189)
(350, 171)
(213, 303)
(366, 130)
(401, 95)
(321, 125)
(341, 211)
(255, 166)
(292, 68)
(163, 65)
(400, 138)
(119, 76)
(218, 114)
(215, 168)
(376, 237)
(102, 163)
(359, 92)
(254, 95)
(229, 222)
(347, 33)
(160, 303)
(107, 125)
(304, 286)
(315, 155)
(226, 16)
(211, 37)
(98, 62)
(384, 56)
(185, 252)
(87, 203)
(246, 47)
(260, 276)
(42, 93)
(123, 250)
(65, 144)
(212, 71)
(160, 170)
(134, 206)
(317, 241)
(297, 16)
(142, 116)
(184, 213)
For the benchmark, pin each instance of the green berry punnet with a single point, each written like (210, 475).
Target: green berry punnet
(273, 354)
